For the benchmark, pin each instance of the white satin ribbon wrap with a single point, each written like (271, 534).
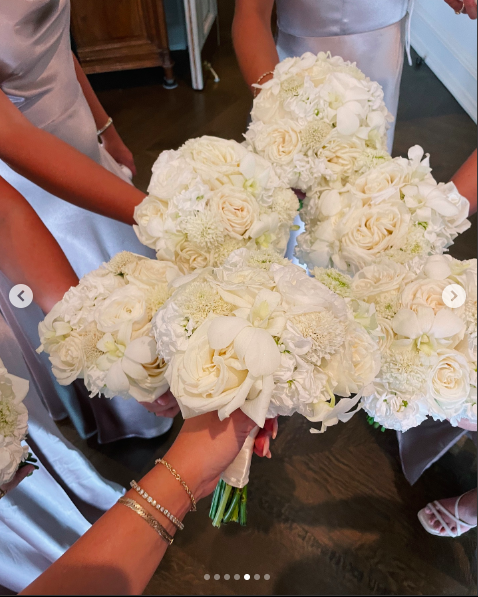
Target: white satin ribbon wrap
(237, 473)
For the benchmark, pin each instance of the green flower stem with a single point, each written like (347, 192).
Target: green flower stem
(229, 515)
(222, 507)
(243, 508)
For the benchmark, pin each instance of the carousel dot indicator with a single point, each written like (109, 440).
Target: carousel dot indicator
(227, 576)
(247, 576)
(267, 576)
(257, 577)
(217, 577)
(207, 576)
(237, 576)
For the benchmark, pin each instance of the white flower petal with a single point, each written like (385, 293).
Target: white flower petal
(116, 379)
(446, 324)
(141, 350)
(258, 351)
(223, 331)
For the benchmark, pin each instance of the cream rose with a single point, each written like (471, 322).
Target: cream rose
(67, 359)
(214, 158)
(205, 380)
(384, 181)
(424, 293)
(372, 230)
(149, 216)
(170, 176)
(237, 209)
(448, 384)
(123, 312)
(151, 273)
(190, 257)
(378, 278)
(279, 143)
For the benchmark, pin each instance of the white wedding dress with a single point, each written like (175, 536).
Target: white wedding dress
(49, 511)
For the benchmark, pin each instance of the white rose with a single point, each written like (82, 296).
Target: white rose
(123, 312)
(280, 142)
(372, 230)
(151, 272)
(448, 384)
(424, 293)
(237, 209)
(383, 182)
(12, 454)
(378, 278)
(149, 216)
(205, 380)
(171, 175)
(190, 257)
(67, 359)
(214, 159)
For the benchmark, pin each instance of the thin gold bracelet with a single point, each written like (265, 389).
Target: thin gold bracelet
(109, 122)
(256, 90)
(177, 476)
(177, 523)
(146, 516)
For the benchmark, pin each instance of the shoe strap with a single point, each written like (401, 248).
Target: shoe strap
(436, 507)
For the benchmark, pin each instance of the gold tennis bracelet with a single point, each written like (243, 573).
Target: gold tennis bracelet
(177, 523)
(153, 523)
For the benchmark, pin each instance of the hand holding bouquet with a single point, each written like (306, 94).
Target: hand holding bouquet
(258, 334)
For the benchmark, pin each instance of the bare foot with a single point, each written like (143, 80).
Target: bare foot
(466, 513)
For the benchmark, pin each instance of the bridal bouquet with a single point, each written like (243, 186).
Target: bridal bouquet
(429, 351)
(13, 424)
(259, 334)
(395, 210)
(209, 198)
(100, 330)
(319, 121)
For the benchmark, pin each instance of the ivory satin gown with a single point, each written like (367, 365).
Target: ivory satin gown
(49, 511)
(37, 74)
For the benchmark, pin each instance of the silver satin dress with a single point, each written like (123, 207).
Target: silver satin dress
(37, 74)
(48, 512)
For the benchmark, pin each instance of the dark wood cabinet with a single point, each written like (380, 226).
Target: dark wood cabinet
(121, 34)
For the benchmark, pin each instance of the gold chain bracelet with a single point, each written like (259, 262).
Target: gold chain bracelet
(177, 476)
(146, 516)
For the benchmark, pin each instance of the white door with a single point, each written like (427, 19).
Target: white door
(200, 17)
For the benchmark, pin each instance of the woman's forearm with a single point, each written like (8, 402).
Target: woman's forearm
(62, 170)
(466, 181)
(253, 41)
(28, 252)
(130, 549)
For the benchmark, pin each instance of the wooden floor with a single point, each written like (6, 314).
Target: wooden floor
(329, 514)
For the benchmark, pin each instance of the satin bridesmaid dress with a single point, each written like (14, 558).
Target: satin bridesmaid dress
(49, 511)
(372, 33)
(37, 74)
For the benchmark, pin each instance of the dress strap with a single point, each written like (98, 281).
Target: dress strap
(408, 38)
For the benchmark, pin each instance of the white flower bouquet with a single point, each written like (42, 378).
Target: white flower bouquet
(209, 198)
(259, 334)
(100, 330)
(395, 210)
(429, 351)
(13, 425)
(319, 121)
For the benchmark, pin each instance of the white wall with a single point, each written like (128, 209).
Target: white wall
(448, 42)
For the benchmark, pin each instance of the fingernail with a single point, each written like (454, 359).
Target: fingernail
(266, 447)
(269, 455)
(275, 428)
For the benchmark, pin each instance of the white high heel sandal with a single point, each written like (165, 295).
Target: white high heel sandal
(437, 510)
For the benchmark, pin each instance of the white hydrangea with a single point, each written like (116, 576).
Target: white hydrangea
(13, 424)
